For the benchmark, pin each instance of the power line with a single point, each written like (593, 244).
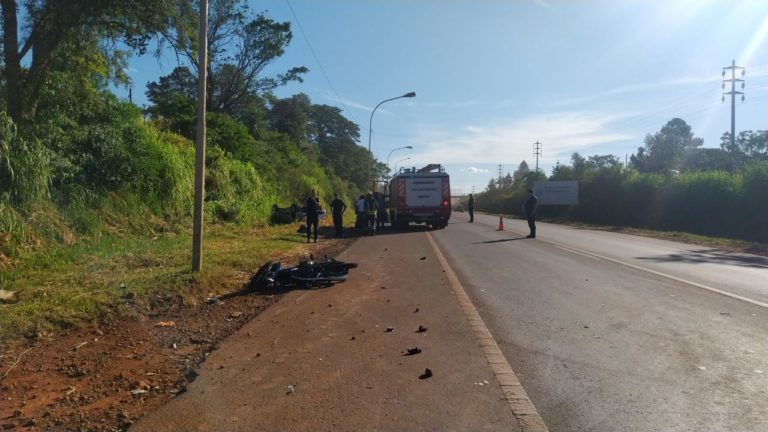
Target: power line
(320, 65)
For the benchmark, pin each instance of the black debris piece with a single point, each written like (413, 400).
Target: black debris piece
(427, 374)
(421, 329)
(413, 351)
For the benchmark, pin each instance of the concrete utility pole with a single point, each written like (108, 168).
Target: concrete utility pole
(537, 153)
(733, 94)
(197, 223)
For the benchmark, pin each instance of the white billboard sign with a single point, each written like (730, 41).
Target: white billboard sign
(557, 192)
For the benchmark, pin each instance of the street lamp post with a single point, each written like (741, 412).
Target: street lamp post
(370, 125)
(399, 148)
(398, 161)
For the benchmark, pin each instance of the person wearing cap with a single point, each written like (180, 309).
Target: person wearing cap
(530, 212)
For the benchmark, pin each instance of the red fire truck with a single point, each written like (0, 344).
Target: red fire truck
(421, 196)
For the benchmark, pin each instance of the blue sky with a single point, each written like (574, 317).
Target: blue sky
(492, 76)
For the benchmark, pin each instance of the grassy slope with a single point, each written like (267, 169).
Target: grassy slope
(113, 277)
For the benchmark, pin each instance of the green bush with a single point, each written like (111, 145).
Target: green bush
(24, 167)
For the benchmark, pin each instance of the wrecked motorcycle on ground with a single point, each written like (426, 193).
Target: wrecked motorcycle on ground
(307, 273)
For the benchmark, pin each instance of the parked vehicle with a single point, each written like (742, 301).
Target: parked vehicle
(420, 196)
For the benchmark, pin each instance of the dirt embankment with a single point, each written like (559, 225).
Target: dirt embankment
(102, 377)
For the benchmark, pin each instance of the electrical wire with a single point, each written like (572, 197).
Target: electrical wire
(320, 65)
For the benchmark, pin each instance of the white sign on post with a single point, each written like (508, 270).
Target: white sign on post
(557, 192)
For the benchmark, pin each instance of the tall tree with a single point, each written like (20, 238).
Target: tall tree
(336, 137)
(52, 24)
(665, 149)
(290, 116)
(240, 48)
(747, 146)
(521, 171)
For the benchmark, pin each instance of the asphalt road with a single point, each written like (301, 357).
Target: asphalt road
(611, 332)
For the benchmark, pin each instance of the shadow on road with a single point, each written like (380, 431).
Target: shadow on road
(500, 240)
(712, 256)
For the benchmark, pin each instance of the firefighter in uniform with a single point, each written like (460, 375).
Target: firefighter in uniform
(371, 207)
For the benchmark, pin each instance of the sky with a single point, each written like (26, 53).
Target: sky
(492, 77)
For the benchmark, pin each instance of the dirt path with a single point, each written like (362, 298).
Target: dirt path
(324, 359)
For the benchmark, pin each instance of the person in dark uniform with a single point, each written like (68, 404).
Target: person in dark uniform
(381, 211)
(371, 208)
(471, 208)
(530, 212)
(312, 209)
(337, 210)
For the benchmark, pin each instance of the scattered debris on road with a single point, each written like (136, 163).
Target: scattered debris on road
(389, 329)
(421, 329)
(412, 351)
(427, 374)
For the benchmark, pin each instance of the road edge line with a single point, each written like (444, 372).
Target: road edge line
(521, 405)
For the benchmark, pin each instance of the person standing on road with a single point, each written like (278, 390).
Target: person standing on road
(312, 209)
(471, 208)
(337, 210)
(360, 212)
(381, 210)
(530, 212)
(371, 207)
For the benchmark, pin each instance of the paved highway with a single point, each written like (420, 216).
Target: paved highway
(611, 332)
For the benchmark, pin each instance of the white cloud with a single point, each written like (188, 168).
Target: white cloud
(474, 170)
(511, 141)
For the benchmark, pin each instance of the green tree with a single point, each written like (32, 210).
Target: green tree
(53, 30)
(521, 171)
(336, 137)
(290, 116)
(748, 146)
(665, 149)
(240, 49)
(174, 101)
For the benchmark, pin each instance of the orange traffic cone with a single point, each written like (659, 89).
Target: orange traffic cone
(501, 223)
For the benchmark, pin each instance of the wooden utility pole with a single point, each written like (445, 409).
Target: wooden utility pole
(202, 68)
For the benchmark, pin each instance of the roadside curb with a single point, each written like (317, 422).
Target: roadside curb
(519, 402)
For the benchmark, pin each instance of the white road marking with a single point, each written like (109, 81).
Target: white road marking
(519, 402)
